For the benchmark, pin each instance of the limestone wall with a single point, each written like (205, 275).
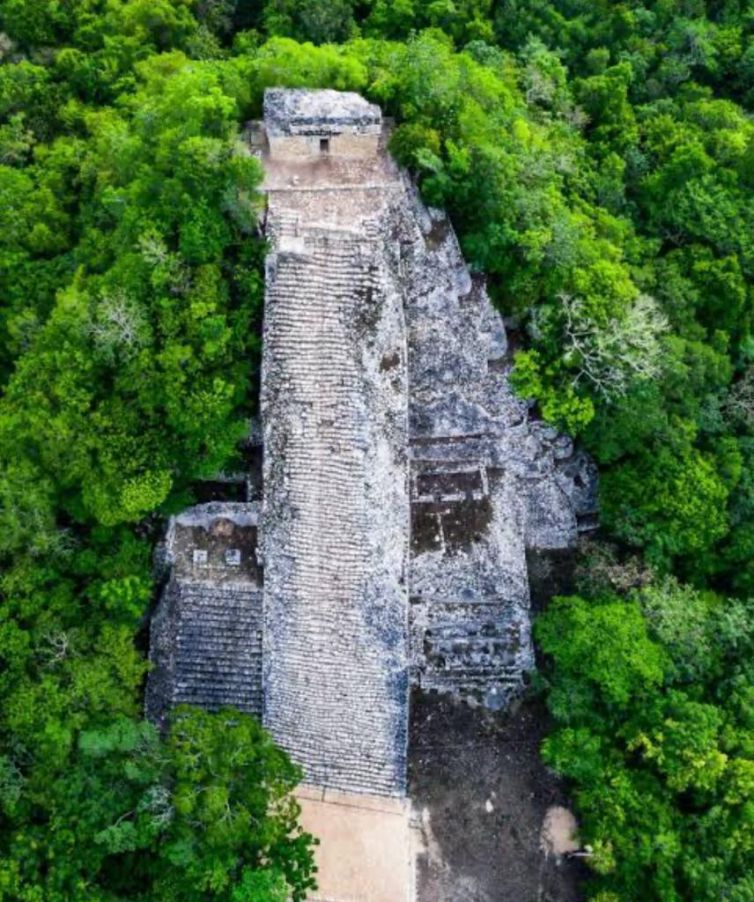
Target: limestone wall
(354, 145)
(292, 147)
(468, 578)
(307, 147)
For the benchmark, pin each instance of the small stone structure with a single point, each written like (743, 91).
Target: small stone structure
(206, 635)
(310, 124)
(403, 482)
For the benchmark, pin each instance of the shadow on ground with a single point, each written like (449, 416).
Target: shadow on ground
(480, 794)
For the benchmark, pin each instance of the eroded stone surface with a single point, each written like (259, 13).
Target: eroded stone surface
(304, 111)
(487, 481)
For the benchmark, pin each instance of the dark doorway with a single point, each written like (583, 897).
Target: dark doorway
(324, 145)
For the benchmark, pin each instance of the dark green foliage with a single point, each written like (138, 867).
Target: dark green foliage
(320, 21)
(652, 697)
(671, 503)
(207, 815)
(463, 20)
(133, 383)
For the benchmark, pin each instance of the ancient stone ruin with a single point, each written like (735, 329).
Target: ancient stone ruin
(403, 482)
(206, 635)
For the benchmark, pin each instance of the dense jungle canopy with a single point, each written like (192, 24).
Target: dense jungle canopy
(597, 160)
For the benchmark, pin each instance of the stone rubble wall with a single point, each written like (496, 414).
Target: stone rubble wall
(485, 487)
(468, 582)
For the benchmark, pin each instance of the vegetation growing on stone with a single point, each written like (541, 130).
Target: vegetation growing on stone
(597, 161)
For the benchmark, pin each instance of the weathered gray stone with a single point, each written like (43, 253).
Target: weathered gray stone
(335, 521)
(302, 111)
(302, 124)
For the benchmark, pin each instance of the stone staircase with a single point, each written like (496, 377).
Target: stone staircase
(219, 646)
(206, 640)
(330, 698)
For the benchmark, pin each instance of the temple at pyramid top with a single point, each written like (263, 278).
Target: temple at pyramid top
(307, 123)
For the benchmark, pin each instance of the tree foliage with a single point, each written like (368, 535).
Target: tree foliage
(208, 814)
(652, 698)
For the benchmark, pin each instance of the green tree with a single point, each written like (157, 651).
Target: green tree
(320, 21)
(670, 503)
(209, 815)
(655, 738)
